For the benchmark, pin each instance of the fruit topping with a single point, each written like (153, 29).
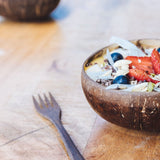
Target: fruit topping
(143, 63)
(116, 56)
(158, 49)
(121, 80)
(155, 58)
(140, 75)
(127, 67)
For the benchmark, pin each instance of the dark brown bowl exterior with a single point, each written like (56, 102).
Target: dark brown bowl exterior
(27, 9)
(135, 110)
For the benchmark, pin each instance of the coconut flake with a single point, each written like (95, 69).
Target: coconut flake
(148, 51)
(140, 87)
(125, 67)
(121, 72)
(107, 73)
(123, 87)
(155, 77)
(95, 72)
(157, 87)
(122, 62)
(110, 59)
(116, 86)
(133, 50)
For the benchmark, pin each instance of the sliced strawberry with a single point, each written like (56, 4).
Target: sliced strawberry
(155, 58)
(140, 75)
(143, 63)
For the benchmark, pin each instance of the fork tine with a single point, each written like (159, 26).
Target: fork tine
(36, 104)
(47, 101)
(55, 104)
(41, 101)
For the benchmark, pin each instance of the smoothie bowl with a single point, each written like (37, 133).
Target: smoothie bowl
(122, 83)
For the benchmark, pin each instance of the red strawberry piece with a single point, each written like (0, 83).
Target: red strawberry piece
(140, 75)
(143, 63)
(155, 58)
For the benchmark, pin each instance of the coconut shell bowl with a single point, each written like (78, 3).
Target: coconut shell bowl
(27, 10)
(134, 110)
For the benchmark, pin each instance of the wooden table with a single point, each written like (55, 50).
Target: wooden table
(38, 57)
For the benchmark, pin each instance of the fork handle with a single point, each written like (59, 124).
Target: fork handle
(72, 150)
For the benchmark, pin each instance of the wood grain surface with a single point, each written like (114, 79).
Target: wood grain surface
(38, 57)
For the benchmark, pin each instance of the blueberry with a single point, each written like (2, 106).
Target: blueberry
(121, 80)
(158, 49)
(116, 56)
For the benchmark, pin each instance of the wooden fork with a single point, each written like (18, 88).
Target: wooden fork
(50, 110)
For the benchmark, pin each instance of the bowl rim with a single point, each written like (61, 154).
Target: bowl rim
(97, 85)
